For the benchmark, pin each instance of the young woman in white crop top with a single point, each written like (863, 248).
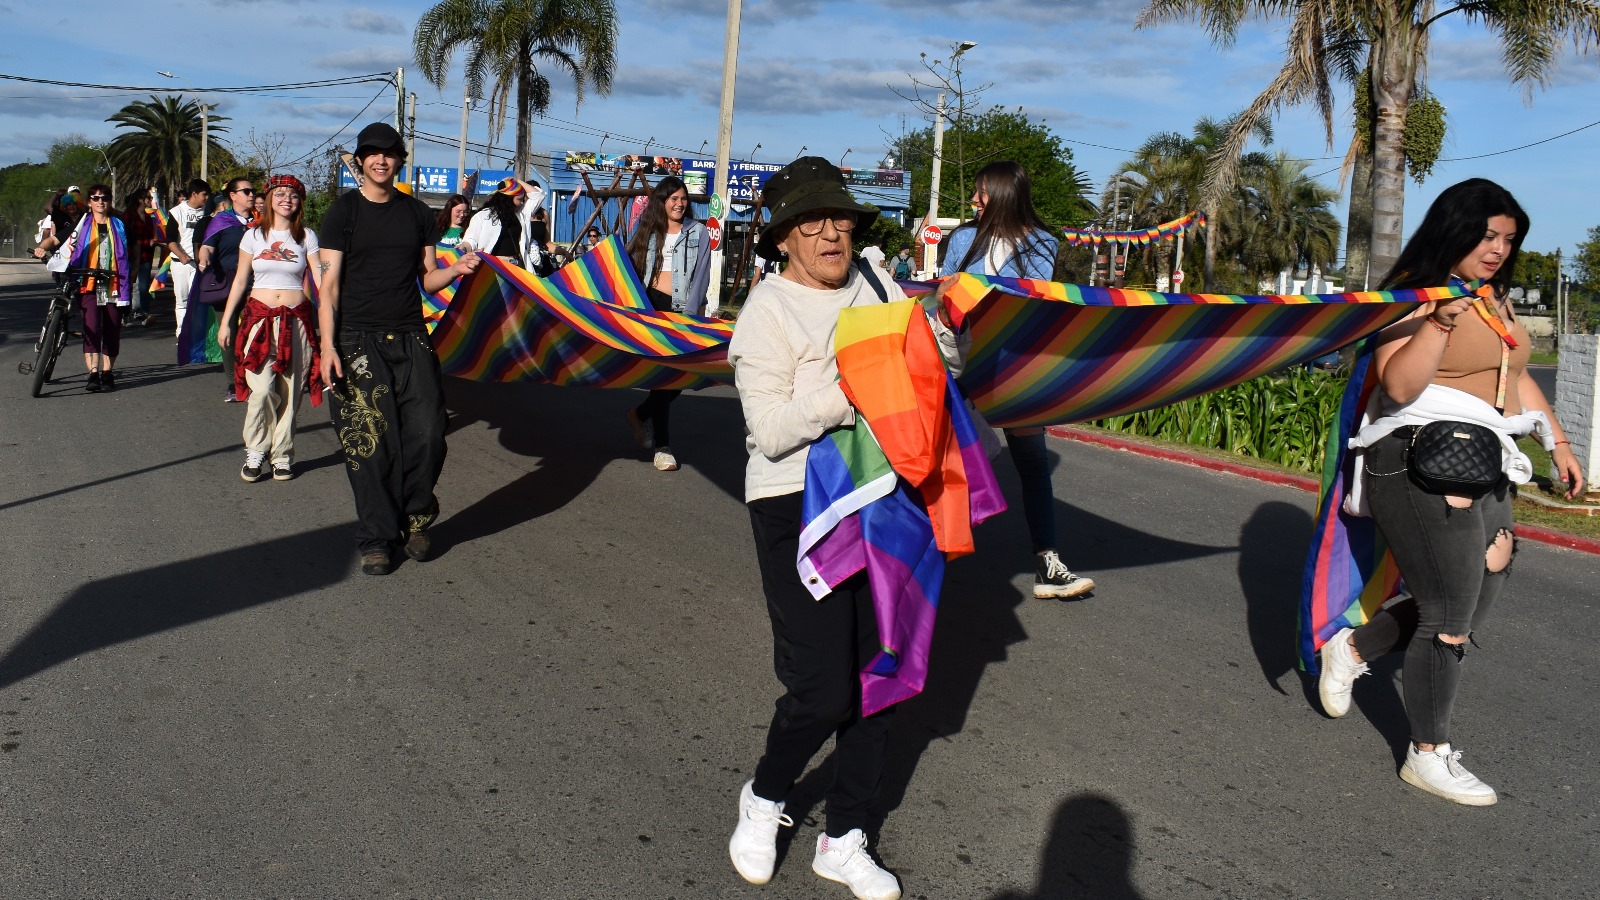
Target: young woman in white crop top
(277, 339)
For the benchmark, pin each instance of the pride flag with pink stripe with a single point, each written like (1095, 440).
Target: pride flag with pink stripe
(861, 513)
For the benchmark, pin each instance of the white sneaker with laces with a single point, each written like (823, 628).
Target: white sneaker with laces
(1439, 771)
(1339, 673)
(846, 860)
(665, 461)
(754, 845)
(1052, 580)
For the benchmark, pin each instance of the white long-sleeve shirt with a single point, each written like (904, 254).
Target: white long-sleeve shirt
(788, 377)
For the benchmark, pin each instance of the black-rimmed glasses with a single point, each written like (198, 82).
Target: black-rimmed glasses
(810, 224)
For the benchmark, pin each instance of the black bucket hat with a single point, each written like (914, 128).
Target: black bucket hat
(809, 183)
(379, 136)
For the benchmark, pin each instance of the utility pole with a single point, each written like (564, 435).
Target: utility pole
(399, 97)
(461, 157)
(205, 137)
(930, 251)
(411, 138)
(719, 185)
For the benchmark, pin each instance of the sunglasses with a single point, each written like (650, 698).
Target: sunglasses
(248, 191)
(100, 197)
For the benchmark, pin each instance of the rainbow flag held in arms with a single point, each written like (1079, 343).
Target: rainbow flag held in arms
(860, 511)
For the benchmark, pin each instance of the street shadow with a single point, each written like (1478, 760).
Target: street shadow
(574, 433)
(1272, 555)
(978, 622)
(126, 607)
(1088, 856)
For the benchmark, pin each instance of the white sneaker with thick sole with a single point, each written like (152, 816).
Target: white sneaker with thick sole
(754, 845)
(1339, 673)
(846, 860)
(665, 461)
(1439, 771)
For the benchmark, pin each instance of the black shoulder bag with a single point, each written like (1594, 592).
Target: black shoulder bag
(1461, 458)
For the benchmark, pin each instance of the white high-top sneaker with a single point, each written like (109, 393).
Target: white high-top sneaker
(1339, 673)
(754, 845)
(846, 860)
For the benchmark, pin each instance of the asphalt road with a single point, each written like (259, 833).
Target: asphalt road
(200, 696)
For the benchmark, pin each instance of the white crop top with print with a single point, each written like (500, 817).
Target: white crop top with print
(276, 261)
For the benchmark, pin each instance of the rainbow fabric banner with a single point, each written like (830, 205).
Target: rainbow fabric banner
(1045, 353)
(1349, 570)
(161, 279)
(586, 326)
(434, 305)
(858, 514)
(161, 223)
(1166, 231)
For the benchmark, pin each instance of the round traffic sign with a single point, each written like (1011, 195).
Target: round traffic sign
(931, 235)
(716, 206)
(1177, 277)
(714, 231)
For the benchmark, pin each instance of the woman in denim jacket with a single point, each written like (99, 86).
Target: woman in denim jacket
(671, 252)
(1007, 238)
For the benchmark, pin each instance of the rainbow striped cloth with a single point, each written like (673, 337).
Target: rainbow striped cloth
(161, 223)
(860, 512)
(587, 325)
(1349, 571)
(1045, 353)
(161, 279)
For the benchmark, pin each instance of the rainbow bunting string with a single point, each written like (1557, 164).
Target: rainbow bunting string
(1166, 231)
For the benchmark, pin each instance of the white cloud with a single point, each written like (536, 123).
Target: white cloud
(364, 59)
(373, 22)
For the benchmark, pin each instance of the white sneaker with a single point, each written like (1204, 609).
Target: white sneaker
(1339, 673)
(847, 861)
(1052, 580)
(665, 461)
(1439, 771)
(754, 845)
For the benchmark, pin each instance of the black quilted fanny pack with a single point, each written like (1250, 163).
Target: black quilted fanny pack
(1454, 458)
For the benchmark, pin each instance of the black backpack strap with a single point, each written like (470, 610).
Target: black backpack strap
(865, 268)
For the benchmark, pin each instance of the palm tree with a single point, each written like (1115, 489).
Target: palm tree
(1396, 33)
(505, 41)
(163, 146)
(1288, 220)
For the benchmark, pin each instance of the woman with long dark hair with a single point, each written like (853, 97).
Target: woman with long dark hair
(276, 344)
(503, 227)
(671, 253)
(452, 221)
(100, 241)
(1008, 238)
(1458, 361)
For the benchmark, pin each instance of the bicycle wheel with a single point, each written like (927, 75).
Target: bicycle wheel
(55, 338)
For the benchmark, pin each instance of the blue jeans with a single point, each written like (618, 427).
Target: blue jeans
(1031, 455)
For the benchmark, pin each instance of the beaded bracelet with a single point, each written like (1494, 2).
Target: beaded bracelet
(1443, 329)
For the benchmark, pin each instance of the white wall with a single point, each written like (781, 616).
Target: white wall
(1577, 400)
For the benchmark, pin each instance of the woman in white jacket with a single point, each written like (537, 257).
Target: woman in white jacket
(1462, 360)
(503, 228)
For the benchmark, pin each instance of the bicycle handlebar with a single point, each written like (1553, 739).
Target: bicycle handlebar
(76, 272)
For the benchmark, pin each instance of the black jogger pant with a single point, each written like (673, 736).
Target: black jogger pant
(389, 415)
(819, 648)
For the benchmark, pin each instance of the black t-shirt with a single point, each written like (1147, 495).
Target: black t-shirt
(225, 244)
(382, 256)
(510, 241)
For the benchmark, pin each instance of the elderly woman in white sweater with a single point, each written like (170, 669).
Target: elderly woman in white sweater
(787, 376)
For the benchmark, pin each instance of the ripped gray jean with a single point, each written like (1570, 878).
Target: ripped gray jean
(1442, 553)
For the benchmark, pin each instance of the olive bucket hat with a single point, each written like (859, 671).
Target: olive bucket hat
(809, 183)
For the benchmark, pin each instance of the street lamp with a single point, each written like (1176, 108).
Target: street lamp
(113, 170)
(929, 250)
(205, 124)
(752, 156)
(842, 156)
(467, 103)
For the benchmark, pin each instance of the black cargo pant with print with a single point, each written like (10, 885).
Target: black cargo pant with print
(389, 416)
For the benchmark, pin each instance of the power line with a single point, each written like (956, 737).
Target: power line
(315, 150)
(241, 89)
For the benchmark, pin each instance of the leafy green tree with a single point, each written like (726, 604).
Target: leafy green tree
(1289, 221)
(1060, 188)
(26, 188)
(1534, 270)
(161, 146)
(505, 41)
(1395, 35)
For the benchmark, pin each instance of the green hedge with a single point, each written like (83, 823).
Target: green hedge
(1283, 418)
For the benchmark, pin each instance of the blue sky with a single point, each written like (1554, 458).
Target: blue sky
(812, 73)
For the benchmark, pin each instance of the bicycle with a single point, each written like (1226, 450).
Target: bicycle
(55, 331)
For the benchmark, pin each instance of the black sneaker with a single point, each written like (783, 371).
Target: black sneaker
(254, 468)
(1052, 580)
(282, 472)
(108, 381)
(93, 386)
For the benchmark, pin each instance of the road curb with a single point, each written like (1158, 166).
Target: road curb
(1100, 439)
